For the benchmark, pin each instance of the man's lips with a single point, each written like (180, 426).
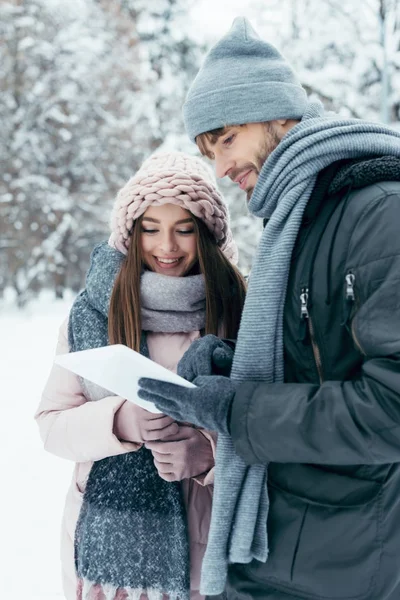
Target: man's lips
(241, 179)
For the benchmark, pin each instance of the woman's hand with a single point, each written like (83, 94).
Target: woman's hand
(186, 454)
(135, 424)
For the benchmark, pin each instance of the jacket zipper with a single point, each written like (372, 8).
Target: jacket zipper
(352, 302)
(305, 315)
(350, 279)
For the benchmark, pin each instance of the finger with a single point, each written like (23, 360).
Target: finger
(185, 371)
(158, 424)
(163, 468)
(158, 447)
(162, 459)
(169, 405)
(168, 444)
(169, 477)
(174, 414)
(172, 447)
(160, 434)
(164, 389)
(181, 436)
(188, 375)
(157, 417)
(203, 380)
(164, 405)
(221, 357)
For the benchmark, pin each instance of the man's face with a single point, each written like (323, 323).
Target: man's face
(241, 151)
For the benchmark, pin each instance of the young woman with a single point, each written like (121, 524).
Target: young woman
(137, 513)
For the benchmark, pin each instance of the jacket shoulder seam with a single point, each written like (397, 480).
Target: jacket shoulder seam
(374, 201)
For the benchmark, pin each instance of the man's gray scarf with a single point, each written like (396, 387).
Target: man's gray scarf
(238, 531)
(131, 533)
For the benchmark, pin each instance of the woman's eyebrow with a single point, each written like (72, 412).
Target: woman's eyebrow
(188, 220)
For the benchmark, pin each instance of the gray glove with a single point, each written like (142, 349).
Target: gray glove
(208, 355)
(207, 405)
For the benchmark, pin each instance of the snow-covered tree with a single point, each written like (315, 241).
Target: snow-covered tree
(51, 157)
(85, 97)
(89, 88)
(346, 53)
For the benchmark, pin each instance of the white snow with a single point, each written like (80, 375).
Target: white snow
(34, 482)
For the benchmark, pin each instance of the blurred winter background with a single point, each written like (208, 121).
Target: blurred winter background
(88, 88)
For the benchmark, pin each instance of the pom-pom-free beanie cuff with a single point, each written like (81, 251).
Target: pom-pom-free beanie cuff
(240, 104)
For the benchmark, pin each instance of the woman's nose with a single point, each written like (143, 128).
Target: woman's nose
(169, 243)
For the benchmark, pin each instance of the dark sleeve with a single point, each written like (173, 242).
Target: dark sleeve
(340, 422)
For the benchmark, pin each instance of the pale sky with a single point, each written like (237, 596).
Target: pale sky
(213, 18)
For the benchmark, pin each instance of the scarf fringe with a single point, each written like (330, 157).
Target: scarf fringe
(134, 594)
(153, 594)
(88, 590)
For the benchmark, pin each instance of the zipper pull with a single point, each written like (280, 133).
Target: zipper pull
(304, 329)
(350, 298)
(350, 279)
(304, 303)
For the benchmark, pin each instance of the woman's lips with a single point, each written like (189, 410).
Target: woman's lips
(170, 264)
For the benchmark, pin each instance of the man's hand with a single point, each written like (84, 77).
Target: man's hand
(135, 424)
(207, 405)
(206, 356)
(186, 454)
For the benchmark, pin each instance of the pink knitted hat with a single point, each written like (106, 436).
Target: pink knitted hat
(172, 178)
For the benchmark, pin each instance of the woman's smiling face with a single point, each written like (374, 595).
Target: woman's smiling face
(169, 240)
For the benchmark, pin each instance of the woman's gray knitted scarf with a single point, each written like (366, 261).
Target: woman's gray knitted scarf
(238, 531)
(131, 536)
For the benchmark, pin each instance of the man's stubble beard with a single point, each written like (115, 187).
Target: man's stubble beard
(268, 145)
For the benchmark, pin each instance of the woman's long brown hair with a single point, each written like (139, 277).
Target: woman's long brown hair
(225, 290)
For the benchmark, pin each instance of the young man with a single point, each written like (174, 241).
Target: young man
(309, 419)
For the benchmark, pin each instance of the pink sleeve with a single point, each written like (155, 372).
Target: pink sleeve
(208, 478)
(71, 426)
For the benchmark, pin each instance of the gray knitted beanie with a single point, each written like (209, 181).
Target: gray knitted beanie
(243, 80)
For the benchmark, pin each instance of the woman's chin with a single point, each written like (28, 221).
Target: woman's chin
(179, 271)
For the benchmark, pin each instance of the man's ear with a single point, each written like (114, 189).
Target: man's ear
(284, 125)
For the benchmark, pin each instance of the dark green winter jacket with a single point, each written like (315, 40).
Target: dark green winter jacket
(332, 431)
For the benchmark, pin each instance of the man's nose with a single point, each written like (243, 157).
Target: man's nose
(223, 166)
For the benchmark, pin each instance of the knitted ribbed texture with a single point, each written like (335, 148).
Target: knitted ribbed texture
(172, 304)
(243, 80)
(172, 178)
(240, 504)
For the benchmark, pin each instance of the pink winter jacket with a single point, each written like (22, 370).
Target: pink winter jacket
(73, 428)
